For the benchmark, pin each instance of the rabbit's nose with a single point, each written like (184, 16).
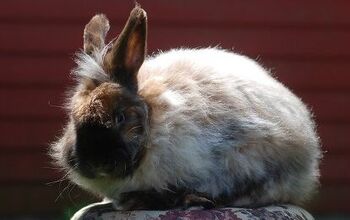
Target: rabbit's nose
(92, 168)
(107, 169)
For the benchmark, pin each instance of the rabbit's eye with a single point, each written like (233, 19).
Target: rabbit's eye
(120, 117)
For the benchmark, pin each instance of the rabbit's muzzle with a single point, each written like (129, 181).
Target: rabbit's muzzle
(101, 152)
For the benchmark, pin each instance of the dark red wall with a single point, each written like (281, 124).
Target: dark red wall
(304, 43)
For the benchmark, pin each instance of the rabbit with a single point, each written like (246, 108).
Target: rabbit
(186, 127)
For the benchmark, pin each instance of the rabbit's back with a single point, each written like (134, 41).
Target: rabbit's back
(213, 83)
(220, 124)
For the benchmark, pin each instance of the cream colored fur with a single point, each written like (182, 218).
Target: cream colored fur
(218, 121)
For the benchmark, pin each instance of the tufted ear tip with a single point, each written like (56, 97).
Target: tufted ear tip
(95, 33)
(138, 13)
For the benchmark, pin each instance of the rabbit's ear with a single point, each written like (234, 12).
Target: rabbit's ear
(95, 33)
(129, 51)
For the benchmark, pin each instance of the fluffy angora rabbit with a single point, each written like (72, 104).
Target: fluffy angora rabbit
(203, 127)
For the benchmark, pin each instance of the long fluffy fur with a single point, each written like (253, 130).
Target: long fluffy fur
(220, 124)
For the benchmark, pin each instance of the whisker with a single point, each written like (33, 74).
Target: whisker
(53, 168)
(133, 138)
(65, 176)
(61, 193)
(54, 105)
(59, 180)
(69, 194)
(133, 128)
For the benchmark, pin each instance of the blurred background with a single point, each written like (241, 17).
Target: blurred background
(305, 44)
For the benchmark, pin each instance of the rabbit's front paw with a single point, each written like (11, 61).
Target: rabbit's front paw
(191, 200)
